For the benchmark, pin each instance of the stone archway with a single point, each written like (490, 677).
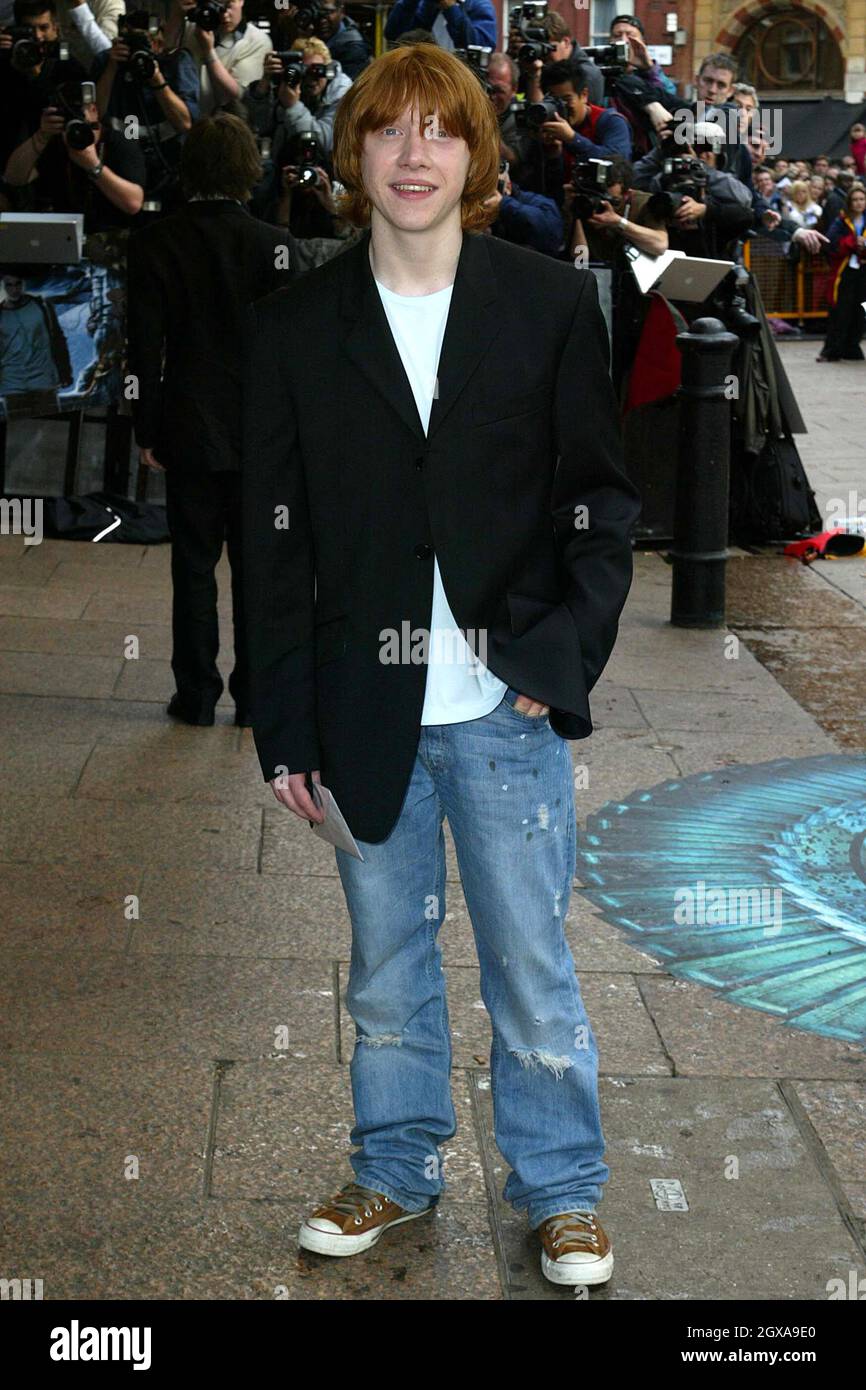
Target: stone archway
(742, 19)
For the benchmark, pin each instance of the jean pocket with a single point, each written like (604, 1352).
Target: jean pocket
(509, 698)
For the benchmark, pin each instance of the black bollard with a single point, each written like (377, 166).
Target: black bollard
(699, 550)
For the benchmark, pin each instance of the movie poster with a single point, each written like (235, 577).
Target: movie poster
(61, 338)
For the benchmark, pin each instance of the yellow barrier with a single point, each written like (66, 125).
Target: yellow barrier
(790, 290)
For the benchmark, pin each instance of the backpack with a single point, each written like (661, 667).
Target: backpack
(770, 496)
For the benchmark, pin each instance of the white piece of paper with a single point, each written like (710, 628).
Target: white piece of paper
(333, 828)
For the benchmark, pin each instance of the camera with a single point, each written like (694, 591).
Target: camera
(313, 71)
(610, 58)
(308, 15)
(476, 57)
(535, 113)
(681, 177)
(27, 50)
(308, 156)
(207, 15)
(528, 19)
(590, 179)
(70, 99)
(134, 28)
(293, 67)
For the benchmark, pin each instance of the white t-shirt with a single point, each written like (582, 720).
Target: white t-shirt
(459, 686)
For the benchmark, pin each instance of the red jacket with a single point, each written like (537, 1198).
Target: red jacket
(843, 245)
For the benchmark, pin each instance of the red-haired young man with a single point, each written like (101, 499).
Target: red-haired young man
(433, 413)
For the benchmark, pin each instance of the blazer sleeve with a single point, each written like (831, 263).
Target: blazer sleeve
(594, 503)
(279, 560)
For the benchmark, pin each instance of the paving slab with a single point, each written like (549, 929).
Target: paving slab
(124, 1248)
(164, 1006)
(708, 1036)
(87, 1124)
(282, 1130)
(761, 1223)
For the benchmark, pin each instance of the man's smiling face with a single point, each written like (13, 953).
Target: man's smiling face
(414, 171)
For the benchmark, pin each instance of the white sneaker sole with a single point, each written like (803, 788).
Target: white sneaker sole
(596, 1273)
(333, 1243)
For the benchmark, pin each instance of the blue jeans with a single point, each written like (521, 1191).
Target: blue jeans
(505, 783)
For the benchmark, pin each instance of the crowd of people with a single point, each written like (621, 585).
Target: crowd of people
(135, 82)
(161, 126)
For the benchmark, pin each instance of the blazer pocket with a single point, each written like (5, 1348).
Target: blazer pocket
(493, 409)
(525, 612)
(330, 638)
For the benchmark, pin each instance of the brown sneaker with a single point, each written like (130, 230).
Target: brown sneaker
(575, 1248)
(352, 1221)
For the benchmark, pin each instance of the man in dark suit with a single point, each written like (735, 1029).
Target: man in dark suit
(436, 526)
(191, 275)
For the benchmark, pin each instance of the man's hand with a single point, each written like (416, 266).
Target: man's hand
(323, 191)
(292, 792)
(51, 123)
(534, 707)
(606, 218)
(118, 53)
(659, 115)
(639, 53)
(771, 219)
(205, 40)
(813, 240)
(85, 159)
(559, 127)
(287, 95)
(689, 212)
(272, 66)
(145, 457)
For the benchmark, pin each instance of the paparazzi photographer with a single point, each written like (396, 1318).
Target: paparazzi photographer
(453, 23)
(298, 93)
(72, 163)
(85, 28)
(31, 64)
(704, 206)
(514, 140)
(608, 216)
(150, 84)
(524, 218)
(715, 84)
(535, 38)
(638, 88)
(230, 50)
(586, 131)
(629, 29)
(304, 198)
(340, 33)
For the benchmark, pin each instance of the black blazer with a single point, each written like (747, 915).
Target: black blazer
(331, 432)
(190, 276)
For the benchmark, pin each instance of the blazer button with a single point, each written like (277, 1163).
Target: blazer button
(419, 462)
(423, 551)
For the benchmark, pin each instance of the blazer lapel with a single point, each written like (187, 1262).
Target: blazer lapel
(470, 329)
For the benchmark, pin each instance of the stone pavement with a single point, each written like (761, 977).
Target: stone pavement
(162, 1140)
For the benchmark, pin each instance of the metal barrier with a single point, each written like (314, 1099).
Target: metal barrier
(789, 289)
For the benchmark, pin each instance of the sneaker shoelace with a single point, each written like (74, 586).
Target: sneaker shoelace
(576, 1226)
(354, 1199)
